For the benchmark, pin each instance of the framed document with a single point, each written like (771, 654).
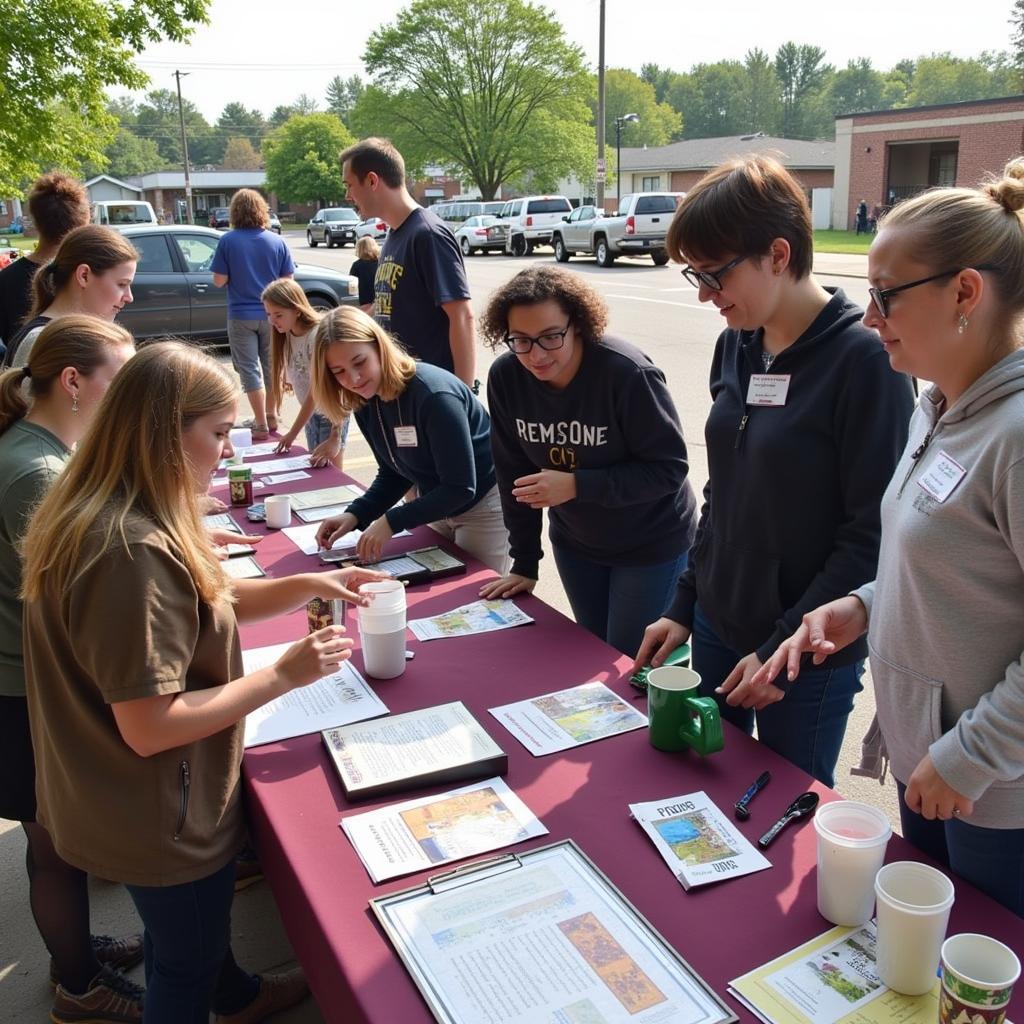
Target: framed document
(540, 936)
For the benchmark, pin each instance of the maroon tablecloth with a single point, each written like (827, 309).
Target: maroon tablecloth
(322, 889)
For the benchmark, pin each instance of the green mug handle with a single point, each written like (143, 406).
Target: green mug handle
(708, 739)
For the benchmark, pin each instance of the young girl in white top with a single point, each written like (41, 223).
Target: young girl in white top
(294, 323)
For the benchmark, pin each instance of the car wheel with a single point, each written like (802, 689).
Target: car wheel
(467, 249)
(321, 303)
(660, 260)
(603, 254)
(329, 240)
(529, 248)
(561, 253)
(518, 245)
(310, 240)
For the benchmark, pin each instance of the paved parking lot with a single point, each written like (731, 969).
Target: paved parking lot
(652, 307)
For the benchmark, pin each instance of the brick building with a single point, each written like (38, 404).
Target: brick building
(887, 155)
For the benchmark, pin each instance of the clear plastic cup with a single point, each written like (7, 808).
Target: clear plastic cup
(852, 838)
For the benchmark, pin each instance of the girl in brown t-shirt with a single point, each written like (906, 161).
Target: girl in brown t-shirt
(133, 626)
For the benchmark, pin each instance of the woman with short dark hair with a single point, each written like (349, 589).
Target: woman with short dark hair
(806, 425)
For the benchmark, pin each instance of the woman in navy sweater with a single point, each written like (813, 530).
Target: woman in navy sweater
(582, 424)
(806, 426)
(426, 430)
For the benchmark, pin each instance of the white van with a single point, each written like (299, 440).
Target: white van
(529, 221)
(118, 212)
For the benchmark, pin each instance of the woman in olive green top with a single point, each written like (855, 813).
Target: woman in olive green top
(45, 408)
(135, 681)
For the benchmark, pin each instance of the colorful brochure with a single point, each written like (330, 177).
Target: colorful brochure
(478, 617)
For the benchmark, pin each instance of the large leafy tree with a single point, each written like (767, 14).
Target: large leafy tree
(239, 155)
(802, 74)
(301, 158)
(343, 94)
(761, 94)
(628, 93)
(857, 87)
(237, 121)
(159, 121)
(943, 78)
(56, 59)
(491, 88)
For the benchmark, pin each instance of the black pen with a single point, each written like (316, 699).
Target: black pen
(741, 805)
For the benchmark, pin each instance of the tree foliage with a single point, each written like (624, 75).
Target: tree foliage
(628, 93)
(56, 59)
(343, 94)
(237, 121)
(158, 120)
(487, 86)
(240, 155)
(301, 158)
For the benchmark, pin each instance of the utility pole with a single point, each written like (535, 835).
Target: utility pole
(184, 149)
(599, 198)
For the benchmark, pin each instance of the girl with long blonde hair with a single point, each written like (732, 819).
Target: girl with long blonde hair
(293, 322)
(426, 430)
(135, 681)
(45, 408)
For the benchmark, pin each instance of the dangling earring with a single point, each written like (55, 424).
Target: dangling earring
(74, 402)
(961, 324)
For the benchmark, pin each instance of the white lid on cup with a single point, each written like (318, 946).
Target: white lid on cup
(853, 824)
(240, 437)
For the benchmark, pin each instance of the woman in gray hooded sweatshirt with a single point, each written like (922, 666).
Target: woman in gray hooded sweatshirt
(945, 615)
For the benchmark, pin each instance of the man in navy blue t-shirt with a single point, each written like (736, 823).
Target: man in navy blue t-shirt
(247, 259)
(421, 295)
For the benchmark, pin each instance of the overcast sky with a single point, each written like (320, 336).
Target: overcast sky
(301, 44)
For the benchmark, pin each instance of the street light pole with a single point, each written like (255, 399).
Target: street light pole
(619, 122)
(184, 149)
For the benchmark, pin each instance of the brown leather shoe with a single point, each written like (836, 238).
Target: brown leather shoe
(277, 992)
(111, 999)
(111, 952)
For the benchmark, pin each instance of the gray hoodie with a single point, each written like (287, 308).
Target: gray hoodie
(946, 612)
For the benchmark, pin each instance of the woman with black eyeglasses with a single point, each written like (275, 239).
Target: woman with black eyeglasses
(582, 424)
(807, 423)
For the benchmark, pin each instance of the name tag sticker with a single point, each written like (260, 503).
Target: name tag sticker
(768, 389)
(405, 437)
(941, 476)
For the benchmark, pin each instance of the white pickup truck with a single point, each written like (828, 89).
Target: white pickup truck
(638, 229)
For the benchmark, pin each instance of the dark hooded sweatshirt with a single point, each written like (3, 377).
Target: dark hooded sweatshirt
(791, 510)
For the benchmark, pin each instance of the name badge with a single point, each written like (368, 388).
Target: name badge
(941, 476)
(768, 388)
(405, 437)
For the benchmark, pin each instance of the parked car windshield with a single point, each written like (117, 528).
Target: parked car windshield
(548, 206)
(342, 215)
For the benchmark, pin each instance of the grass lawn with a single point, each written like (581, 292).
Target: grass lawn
(842, 241)
(17, 242)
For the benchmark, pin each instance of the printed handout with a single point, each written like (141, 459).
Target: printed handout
(568, 718)
(293, 462)
(478, 617)
(696, 840)
(287, 478)
(333, 700)
(324, 496)
(304, 538)
(419, 834)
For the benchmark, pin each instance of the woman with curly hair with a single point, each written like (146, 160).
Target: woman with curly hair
(582, 424)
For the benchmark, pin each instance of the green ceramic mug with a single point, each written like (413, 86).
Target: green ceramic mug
(679, 718)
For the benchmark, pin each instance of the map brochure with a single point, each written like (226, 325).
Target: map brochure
(337, 699)
(432, 746)
(418, 834)
(568, 718)
(832, 979)
(478, 617)
(696, 840)
(536, 936)
(324, 496)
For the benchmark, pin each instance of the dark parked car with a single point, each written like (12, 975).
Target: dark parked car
(174, 291)
(335, 225)
(220, 217)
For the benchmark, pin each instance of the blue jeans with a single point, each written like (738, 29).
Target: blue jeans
(806, 727)
(991, 859)
(318, 428)
(190, 968)
(617, 603)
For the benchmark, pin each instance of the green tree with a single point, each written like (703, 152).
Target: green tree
(305, 104)
(240, 155)
(761, 94)
(127, 154)
(301, 158)
(627, 93)
(158, 121)
(661, 78)
(494, 90)
(718, 100)
(943, 78)
(237, 121)
(343, 94)
(801, 75)
(1017, 40)
(281, 114)
(857, 87)
(56, 59)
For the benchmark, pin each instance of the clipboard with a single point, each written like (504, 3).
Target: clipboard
(481, 908)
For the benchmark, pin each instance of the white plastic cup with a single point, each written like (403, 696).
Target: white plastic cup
(914, 901)
(240, 438)
(852, 838)
(279, 511)
(382, 629)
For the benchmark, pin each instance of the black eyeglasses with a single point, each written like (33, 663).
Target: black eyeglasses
(549, 341)
(710, 278)
(880, 296)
